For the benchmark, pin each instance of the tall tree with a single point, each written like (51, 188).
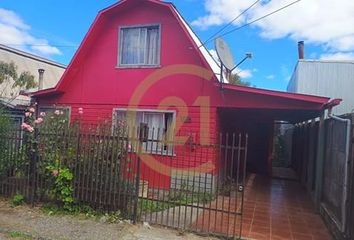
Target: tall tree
(12, 82)
(236, 80)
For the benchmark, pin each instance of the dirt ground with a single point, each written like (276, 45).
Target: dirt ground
(27, 223)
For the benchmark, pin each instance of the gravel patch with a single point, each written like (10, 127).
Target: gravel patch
(33, 224)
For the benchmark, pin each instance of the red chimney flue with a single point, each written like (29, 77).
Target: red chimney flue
(301, 49)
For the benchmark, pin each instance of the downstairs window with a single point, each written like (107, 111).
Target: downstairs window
(160, 127)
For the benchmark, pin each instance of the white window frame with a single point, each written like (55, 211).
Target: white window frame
(120, 42)
(170, 149)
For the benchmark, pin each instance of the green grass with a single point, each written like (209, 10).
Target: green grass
(148, 206)
(82, 211)
(181, 197)
(52, 209)
(174, 198)
(19, 235)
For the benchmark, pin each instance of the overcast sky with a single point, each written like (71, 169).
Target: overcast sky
(54, 29)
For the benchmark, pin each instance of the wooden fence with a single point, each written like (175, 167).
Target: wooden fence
(332, 173)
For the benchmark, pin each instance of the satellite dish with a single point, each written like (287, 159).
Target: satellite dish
(224, 54)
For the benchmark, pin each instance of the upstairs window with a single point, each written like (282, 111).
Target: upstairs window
(139, 46)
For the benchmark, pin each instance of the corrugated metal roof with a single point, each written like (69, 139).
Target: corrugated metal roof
(334, 79)
(326, 61)
(17, 102)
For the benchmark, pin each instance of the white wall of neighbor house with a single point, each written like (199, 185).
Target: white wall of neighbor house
(31, 63)
(334, 79)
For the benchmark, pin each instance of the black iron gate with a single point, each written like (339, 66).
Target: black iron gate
(179, 191)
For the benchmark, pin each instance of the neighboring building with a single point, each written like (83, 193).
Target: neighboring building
(15, 110)
(334, 79)
(142, 55)
(9, 97)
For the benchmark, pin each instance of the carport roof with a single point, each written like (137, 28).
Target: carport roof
(275, 105)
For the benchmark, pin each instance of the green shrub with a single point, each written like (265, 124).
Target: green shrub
(62, 190)
(5, 122)
(17, 199)
(4, 131)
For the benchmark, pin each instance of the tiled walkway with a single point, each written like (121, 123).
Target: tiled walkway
(279, 209)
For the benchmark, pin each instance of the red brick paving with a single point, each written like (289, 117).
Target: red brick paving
(218, 221)
(273, 209)
(280, 209)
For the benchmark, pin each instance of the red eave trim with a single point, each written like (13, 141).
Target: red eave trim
(333, 103)
(46, 92)
(287, 95)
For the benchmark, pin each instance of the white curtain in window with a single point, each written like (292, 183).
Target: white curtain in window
(170, 124)
(152, 46)
(122, 116)
(131, 45)
(142, 46)
(156, 121)
(139, 46)
(156, 125)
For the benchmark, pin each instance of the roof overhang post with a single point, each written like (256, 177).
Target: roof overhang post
(320, 160)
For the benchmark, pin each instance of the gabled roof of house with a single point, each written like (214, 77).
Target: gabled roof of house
(320, 102)
(206, 56)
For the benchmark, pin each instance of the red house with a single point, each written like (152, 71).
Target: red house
(142, 55)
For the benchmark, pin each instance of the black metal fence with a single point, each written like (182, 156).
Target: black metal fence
(30, 164)
(180, 184)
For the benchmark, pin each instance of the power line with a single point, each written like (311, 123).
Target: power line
(208, 40)
(227, 25)
(260, 18)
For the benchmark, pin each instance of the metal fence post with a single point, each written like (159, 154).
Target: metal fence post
(142, 136)
(350, 225)
(319, 161)
(137, 183)
(33, 165)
